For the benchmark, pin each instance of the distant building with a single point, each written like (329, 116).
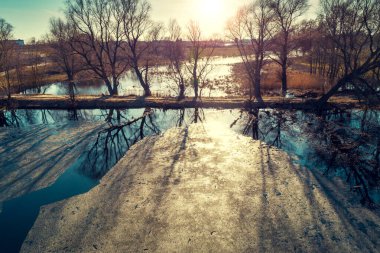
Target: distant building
(18, 42)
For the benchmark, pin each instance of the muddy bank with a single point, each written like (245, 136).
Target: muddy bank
(205, 188)
(122, 102)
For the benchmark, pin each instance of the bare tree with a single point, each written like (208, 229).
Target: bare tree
(152, 54)
(353, 27)
(286, 13)
(176, 55)
(6, 30)
(321, 54)
(19, 60)
(136, 23)
(308, 33)
(251, 29)
(199, 58)
(98, 38)
(6, 51)
(37, 62)
(60, 41)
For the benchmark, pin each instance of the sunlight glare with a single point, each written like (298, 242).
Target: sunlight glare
(210, 9)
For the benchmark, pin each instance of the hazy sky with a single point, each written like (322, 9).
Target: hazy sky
(30, 18)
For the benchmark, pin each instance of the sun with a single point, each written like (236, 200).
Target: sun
(212, 5)
(211, 15)
(210, 9)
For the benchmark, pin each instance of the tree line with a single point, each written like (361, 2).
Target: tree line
(341, 43)
(109, 37)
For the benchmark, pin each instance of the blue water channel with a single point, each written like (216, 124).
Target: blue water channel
(310, 138)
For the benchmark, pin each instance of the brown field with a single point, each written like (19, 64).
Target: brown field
(298, 80)
(28, 81)
(225, 51)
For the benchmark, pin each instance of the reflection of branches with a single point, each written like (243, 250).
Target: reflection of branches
(350, 149)
(15, 120)
(44, 118)
(252, 125)
(198, 115)
(272, 123)
(3, 119)
(114, 141)
(344, 140)
(152, 126)
(343, 143)
(277, 127)
(181, 118)
(71, 87)
(118, 127)
(237, 120)
(72, 115)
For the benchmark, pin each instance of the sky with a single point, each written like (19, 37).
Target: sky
(30, 18)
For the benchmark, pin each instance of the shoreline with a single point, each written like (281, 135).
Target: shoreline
(195, 189)
(125, 102)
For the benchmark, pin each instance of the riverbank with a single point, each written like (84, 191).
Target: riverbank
(122, 102)
(205, 188)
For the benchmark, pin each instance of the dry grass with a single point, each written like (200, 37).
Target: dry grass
(298, 76)
(271, 79)
(28, 81)
(226, 51)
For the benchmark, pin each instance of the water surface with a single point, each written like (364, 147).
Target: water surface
(219, 83)
(50, 155)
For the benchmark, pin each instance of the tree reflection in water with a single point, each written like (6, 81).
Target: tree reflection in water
(341, 143)
(113, 141)
(198, 116)
(72, 115)
(3, 119)
(189, 116)
(251, 123)
(10, 119)
(27, 118)
(338, 143)
(351, 147)
(181, 117)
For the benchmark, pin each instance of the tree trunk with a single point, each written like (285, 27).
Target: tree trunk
(257, 86)
(196, 86)
(109, 87)
(284, 79)
(71, 90)
(323, 100)
(115, 91)
(115, 82)
(196, 90)
(145, 86)
(284, 65)
(8, 79)
(310, 63)
(181, 94)
(9, 93)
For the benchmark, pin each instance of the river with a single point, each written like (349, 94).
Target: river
(51, 155)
